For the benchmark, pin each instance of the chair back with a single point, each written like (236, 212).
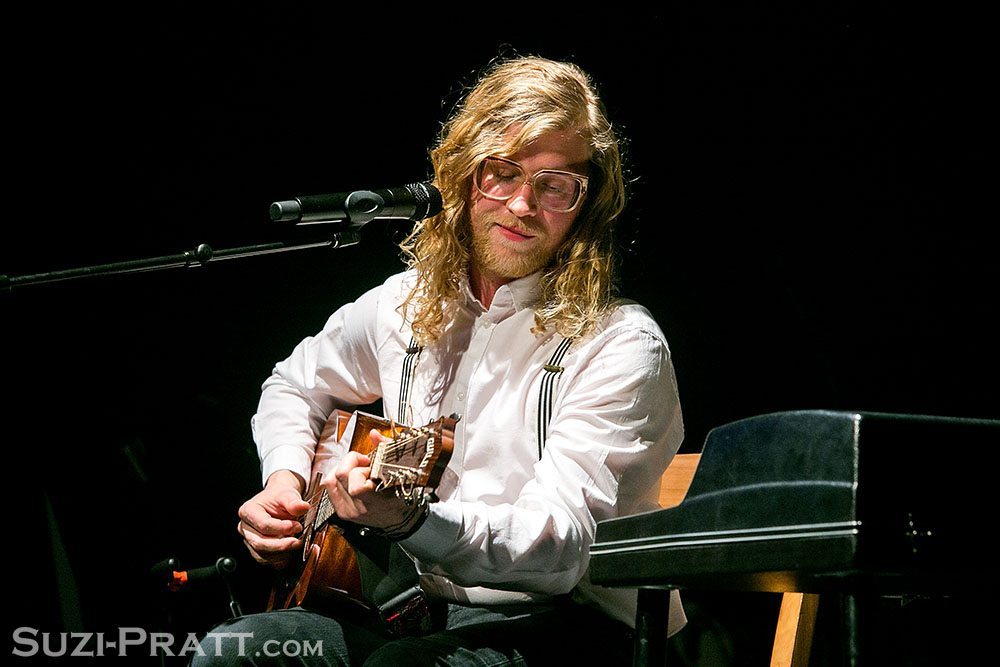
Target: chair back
(677, 478)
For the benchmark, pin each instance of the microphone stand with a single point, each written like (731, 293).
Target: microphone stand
(349, 212)
(201, 255)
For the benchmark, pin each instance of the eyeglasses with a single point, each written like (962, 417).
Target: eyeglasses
(557, 191)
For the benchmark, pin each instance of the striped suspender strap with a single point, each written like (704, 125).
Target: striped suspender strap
(409, 364)
(552, 371)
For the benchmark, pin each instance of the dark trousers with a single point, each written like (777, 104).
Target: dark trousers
(491, 636)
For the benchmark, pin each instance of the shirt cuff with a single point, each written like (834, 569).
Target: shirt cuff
(433, 540)
(286, 457)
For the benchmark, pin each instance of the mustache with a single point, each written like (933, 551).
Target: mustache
(514, 224)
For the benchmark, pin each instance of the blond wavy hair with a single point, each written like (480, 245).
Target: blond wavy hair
(514, 103)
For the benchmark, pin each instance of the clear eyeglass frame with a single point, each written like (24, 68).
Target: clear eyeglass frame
(580, 184)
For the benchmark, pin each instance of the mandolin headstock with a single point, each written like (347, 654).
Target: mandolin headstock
(413, 457)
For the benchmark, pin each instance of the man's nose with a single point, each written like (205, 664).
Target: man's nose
(522, 203)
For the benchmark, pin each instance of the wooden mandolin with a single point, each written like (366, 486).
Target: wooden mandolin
(345, 568)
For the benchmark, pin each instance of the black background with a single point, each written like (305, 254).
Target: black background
(807, 223)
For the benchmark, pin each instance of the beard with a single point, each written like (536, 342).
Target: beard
(499, 257)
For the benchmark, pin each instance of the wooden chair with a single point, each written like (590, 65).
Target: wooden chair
(797, 618)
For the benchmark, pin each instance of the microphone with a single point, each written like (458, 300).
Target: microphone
(415, 201)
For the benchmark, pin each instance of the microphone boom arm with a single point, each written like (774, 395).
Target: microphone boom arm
(348, 211)
(200, 256)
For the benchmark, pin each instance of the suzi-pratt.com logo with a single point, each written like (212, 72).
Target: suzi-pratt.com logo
(30, 642)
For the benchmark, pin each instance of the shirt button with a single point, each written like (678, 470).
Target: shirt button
(461, 395)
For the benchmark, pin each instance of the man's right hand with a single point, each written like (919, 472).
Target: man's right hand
(268, 521)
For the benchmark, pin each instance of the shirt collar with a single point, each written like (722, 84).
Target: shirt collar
(510, 298)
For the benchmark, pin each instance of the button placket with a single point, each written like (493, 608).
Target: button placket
(481, 336)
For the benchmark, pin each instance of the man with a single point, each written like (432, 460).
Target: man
(509, 292)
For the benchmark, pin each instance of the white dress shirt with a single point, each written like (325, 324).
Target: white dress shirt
(509, 526)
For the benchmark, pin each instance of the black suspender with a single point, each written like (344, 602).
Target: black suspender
(552, 371)
(409, 364)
